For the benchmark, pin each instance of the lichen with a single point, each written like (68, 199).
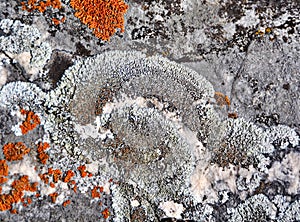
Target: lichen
(151, 127)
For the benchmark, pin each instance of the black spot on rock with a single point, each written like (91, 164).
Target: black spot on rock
(60, 61)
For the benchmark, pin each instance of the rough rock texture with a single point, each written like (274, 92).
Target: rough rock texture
(191, 114)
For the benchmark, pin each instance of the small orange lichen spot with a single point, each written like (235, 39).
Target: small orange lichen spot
(68, 176)
(259, 33)
(95, 193)
(101, 189)
(56, 175)
(53, 197)
(227, 100)
(105, 213)
(43, 157)
(44, 177)
(41, 6)
(58, 21)
(29, 201)
(221, 99)
(0, 190)
(33, 187)
(15, 151)
(3, 180)
(37, 195)
(14, 211)
(3, 168)
(110, 180)
(233, 115)
(52, 185)
(50, 171)
(55, 21)
(73, 182)
(67, 202)
(5, 202)
(21, 184)
(42, 147)
(31, 121)
(75, 188)
(103, 16)
(82, 171)
(268, 30)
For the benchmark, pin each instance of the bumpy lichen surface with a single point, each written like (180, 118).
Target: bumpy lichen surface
(149, 127)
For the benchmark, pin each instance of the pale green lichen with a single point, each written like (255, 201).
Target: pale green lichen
(18, 39)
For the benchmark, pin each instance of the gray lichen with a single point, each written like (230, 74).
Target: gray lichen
(151, 121)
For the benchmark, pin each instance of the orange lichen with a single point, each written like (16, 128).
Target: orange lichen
(74, 185)
(233, 115)
(95, 193)
(23, 184)
(3, 168)
(29, 201)
(75, 189)
(14, 211)
(44, 177)
(67, 202)
(53, 197)
(82, 171)
(105, 213)
(221, 99)
(103, 16)
(6, 201)
(101, 189)
(15, 151)
(31, 121)
(55, 173)
(68, 176)
(17, 193)
(3, 180)
(43, 157)
(58, 21)
(52, 185)
(41, 6)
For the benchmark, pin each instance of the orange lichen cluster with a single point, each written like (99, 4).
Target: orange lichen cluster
(3, 171)
(17, 193)
(31, 121)
(103, 16)
(73, 183)
(67, 202)
(105, 213)
(56, 174)
(233, 115)
(68, 176)
(53, 197)
(44, 177)
(42, 155)
(82, 170)
(41, 6)
(221, 99)
(96, 193)
(58, 21)
(15, 151)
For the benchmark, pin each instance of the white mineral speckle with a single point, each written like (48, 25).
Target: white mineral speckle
(172, 209)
